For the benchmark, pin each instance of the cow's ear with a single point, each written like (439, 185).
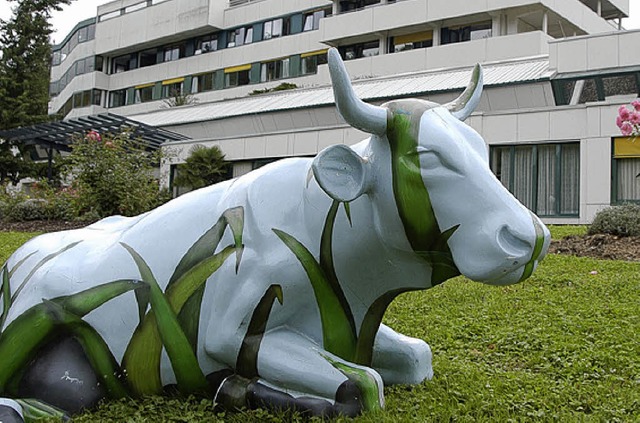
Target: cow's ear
(341, 173)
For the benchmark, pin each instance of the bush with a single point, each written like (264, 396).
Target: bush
(113, 174)
(621, 220)
(44, 203)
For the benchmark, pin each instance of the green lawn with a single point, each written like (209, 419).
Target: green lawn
(562, 346)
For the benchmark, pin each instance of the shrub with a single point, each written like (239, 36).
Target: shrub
(44, 203)
(621, 220)
(113, 174)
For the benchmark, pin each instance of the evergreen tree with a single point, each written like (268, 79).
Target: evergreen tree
(24, 75)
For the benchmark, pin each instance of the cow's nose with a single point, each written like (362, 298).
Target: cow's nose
(516, 245)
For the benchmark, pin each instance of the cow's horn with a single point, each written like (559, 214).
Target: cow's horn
(463, 106)
(366, 117)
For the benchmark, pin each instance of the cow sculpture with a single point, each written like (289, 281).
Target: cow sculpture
(269, 290)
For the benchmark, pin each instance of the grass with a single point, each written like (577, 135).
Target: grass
(561, 231)
(562, 346)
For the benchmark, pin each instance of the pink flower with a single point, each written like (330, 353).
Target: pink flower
(94, 136)
(619, 122)
(636, 105)
(626, 129)
(635, 118)
(623, 112)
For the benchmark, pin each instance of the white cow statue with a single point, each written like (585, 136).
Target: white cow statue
(268, 290)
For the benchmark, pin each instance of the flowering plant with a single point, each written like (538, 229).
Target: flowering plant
(629, 120)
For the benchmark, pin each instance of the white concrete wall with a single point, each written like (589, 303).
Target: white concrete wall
(595, 52)
(151, 24)
(260, 10)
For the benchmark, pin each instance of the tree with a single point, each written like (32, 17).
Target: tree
(24, 77)
(204, 166)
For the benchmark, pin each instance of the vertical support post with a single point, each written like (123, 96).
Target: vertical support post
(436, 36)
(545, 22)
(599, 8)
(335, 10)
(50, 164)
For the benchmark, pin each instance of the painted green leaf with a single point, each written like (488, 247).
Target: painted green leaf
(184, 362)
(347, 210)
(371, 324)
(337, 334)
(33, 410)
(39, 265)
(21, 262)
(95, 348)
(143, 354)
(328, 268)
(203, 248)
(5, 293)
(372, 395)
(21, 339)
(247, 362)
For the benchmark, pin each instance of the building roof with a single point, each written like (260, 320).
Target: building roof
(376, 89)
(58, 135)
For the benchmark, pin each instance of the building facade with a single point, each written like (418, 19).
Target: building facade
(556, 73)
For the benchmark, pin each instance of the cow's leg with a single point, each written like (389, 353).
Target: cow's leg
(290, 362)
(400, 359)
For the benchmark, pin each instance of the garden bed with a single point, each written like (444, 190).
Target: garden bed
(599, 246)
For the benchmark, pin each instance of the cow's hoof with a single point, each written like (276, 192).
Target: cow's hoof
(236, 392)
(349, 401)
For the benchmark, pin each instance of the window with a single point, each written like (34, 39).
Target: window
(620, 85)
(206, 44)
(240, 36)
(83, 34)
(275, 28)
(276, 69)
(458, 34)
(349, 5)
(356, 51)
(99, 63)
(595, 88)
(96, 97)
(236, 76)
(120, 64)
(144, 93)
(312, 20)
(56, 58)
(202, 83)
(411, 41)
(148, 57)
(309, 62)
(172, 87)
(544, 177)
(626, 170)
(117, 98)
(173, 53)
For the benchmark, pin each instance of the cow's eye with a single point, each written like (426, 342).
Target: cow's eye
(431, 160)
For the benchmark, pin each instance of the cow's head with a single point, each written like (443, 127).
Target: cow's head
(453, 211)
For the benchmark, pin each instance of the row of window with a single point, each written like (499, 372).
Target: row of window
(597, 88)
(260, 31)
(546, 177)
(448, 35)
(81, 35)
(79, 67)
(297, 65)
(81, 99)
(128, 9)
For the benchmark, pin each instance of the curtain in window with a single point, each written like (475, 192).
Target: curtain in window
(523, 185)
(570, 183)
(628, 186)
(546, 204)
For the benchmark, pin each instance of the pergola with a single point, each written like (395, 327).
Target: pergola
(58, 136)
